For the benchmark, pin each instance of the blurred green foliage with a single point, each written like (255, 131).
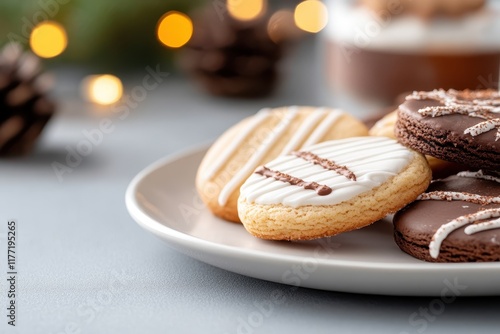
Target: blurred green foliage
(106, 35)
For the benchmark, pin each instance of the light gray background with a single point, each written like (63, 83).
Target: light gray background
(86, 267)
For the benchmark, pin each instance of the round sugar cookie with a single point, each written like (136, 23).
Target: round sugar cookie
(259, 139)
(440, 168)
(457, 126)
(456, 220)
(330, 188)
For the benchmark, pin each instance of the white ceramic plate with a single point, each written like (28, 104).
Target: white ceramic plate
(163, 200)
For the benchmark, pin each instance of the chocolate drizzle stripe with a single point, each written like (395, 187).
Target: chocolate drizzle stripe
(446, 229)
(479, 175)
(326, 164)
(321, 189)
(458, 196)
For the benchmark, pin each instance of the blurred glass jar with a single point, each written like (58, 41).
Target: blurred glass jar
(383, 48)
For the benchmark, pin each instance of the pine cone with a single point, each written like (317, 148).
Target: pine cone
(229, 57)
(24, 108)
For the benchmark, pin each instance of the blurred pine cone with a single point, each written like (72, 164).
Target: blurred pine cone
(24, 108)
(229, 57)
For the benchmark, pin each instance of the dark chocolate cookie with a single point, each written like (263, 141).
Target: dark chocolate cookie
(457, 126)
(456, 220)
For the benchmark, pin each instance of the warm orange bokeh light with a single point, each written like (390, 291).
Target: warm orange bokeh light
(48, 39)
(246, 10)
(281, 26)
(102, 89)
(174, 29)
(311, 16)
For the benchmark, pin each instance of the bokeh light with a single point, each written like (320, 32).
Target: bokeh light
(246, 10)
(103, 89)
(174, 29)
(281, 26)
(311, 16)
(48, 39)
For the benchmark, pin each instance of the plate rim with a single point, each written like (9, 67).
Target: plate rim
(150, 224)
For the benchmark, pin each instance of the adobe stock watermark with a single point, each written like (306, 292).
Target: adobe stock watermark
(190, 211)
(86, 312)
(371, 29)
(489, 82)
(94, 137)
(48, 10)
(221, 7)
(295, 276)
(420, 319)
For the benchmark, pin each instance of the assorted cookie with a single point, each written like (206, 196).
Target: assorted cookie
(330, 188)
(259, 139)
(299, 173)
(456, 220)
(457, 126)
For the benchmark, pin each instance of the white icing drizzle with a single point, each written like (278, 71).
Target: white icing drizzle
(479, 175)
(479, 227)
(437, 111)
(485, 127)
(446, 229)
(315, 122)
(254, 160)
(480, 104)
(458, 196)
(235, 143)
(323, 127)
(373, 160)
(304, 129)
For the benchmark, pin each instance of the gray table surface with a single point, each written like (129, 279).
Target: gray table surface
(84, 266)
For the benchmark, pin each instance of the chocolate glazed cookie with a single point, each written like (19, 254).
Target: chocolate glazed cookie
(456, 220)
(457, 126)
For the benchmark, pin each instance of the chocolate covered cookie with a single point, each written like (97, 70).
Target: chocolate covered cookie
(457, 126)
(456, 220)
(259, 139)
(331, 188)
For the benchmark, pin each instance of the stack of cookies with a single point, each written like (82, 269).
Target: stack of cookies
(298, 173)
(458, 218)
